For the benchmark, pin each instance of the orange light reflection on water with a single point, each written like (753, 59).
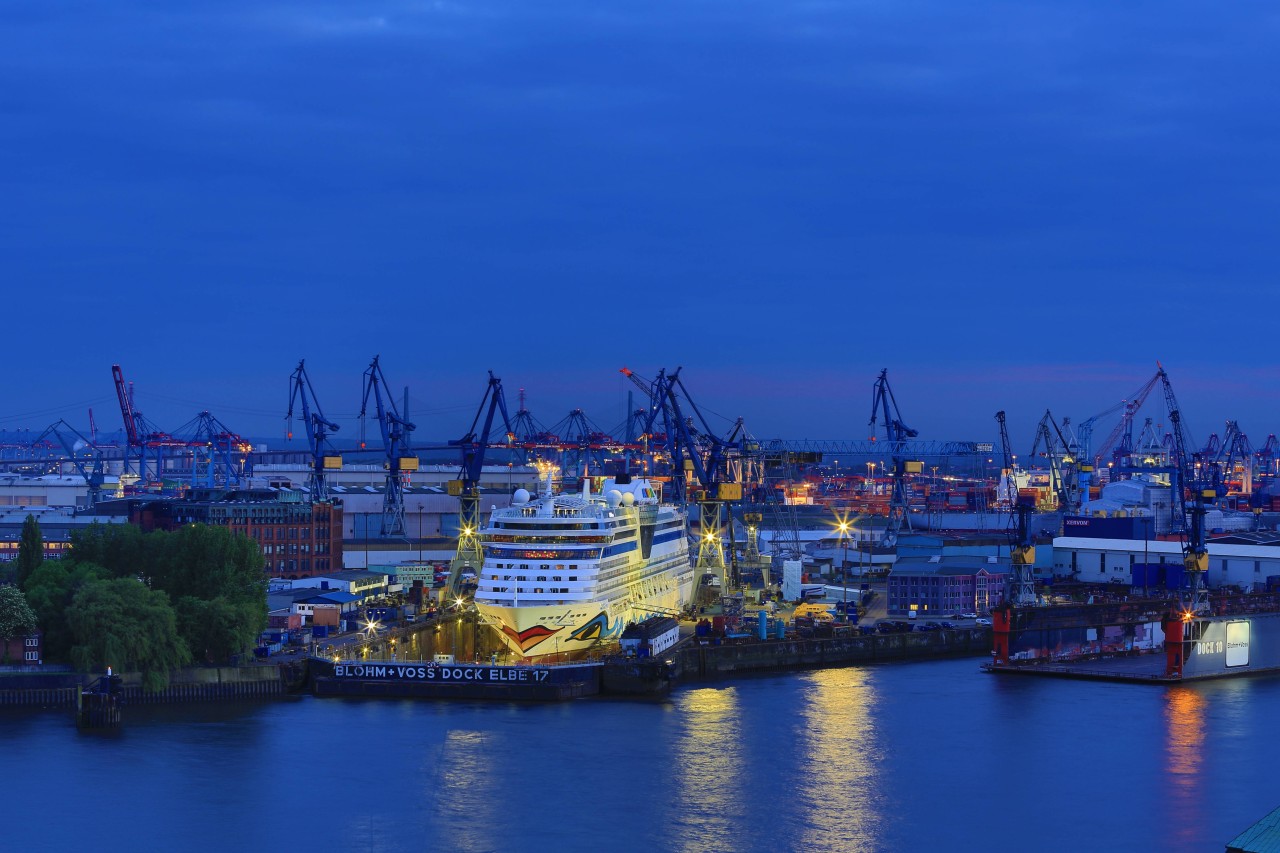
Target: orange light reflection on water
(1184, 714)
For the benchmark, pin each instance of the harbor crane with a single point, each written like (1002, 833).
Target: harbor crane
(1061, 482)
(395, 443)
(885, 407)
(323, 458)
(218, 455)
(1022, 552)
(466, 488)
(1195, 551)
(703, 455)
(93, 477)
(140, 434)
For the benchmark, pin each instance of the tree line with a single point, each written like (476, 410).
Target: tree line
(145, 602)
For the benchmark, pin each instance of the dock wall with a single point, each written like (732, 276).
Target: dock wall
(697, 663)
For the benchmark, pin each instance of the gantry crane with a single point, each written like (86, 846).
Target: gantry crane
(323, 457)
(219, 457)
(395, 444)
(885, 407)
(93, 477)
(470, 554)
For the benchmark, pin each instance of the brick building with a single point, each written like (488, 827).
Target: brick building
(945, 585)
(23, 651)
(298, 538)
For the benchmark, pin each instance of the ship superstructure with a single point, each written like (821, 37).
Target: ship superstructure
(563, 572)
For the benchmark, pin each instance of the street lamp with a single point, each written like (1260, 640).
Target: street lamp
(843, 527)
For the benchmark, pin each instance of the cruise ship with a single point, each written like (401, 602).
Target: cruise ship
(564, 572)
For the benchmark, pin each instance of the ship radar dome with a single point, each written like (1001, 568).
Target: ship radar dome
(521, 496)
(628, 499)
(614, 497)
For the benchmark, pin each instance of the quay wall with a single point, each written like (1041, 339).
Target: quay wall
(199, 684)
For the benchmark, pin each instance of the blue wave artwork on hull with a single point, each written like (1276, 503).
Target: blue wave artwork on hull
(596, 629)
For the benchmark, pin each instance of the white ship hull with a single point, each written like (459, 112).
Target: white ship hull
(572, 629)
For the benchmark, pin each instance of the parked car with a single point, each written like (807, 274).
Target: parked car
(967, 616)
(946, 626)
(983, 622)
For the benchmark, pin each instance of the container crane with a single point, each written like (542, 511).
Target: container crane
(395, 444)
(323, 458)
(466, 488)
(93, 477)
(1195, 551)
(218, 455)
(885, 407)
(140, 433)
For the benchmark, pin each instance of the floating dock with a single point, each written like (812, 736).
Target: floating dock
(1125, 642)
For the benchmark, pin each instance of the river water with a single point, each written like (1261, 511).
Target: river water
(921, 756)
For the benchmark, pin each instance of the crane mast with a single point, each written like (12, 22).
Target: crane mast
(318, 427)
(395, 443)
(1022, 553)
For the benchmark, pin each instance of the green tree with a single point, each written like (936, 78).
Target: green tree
(16, 617)
(121, 623)
(50, 591)
(30, 550)
(122, 549)
(214, 577)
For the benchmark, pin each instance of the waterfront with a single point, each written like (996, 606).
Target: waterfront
(922, 756)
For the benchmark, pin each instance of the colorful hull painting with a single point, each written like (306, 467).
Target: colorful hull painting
(560, 630)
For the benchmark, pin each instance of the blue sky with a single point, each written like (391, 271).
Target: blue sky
(1009, 205)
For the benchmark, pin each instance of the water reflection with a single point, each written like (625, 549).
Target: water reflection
(839, 791)
(462, 790)
(709, 765)
(1184, 714)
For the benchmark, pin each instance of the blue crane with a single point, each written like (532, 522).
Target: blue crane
(466, 488)
(318, 427)
(1022, 552)
(885, 408)
(704, 455)
(395, 444)
(93, 477)
(218, 455)
(1190, 519)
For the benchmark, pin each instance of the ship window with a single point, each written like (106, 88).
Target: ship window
(542, 577)
(557, 577)
(573, 577)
